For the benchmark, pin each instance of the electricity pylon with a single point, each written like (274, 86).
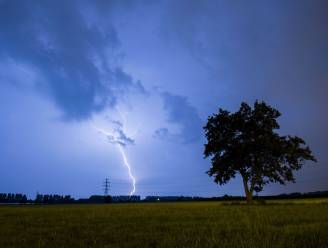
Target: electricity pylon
(106, 186)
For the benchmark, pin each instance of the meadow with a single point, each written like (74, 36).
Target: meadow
(292, 223)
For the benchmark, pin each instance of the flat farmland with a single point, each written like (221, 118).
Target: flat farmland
(285, 223)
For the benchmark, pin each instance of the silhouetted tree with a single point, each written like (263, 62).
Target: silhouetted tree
(245, 143)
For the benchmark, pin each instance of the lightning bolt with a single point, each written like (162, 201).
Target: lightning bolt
(125, 160)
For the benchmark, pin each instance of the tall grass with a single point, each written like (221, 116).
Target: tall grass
(194, 224)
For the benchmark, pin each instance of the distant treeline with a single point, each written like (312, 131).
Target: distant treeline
(110, 199)
(295, 195)
(53, 199)
(13, 198)
(67, 199)
(40, 199)
(64, 199)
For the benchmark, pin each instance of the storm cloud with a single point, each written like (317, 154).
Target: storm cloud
(179, 111)
(74, 53)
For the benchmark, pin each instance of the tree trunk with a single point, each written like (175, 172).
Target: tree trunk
(249, 198)
(248, 193)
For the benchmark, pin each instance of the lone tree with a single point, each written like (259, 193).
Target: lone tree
(245, 143)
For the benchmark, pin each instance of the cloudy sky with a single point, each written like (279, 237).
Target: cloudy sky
(151, 72)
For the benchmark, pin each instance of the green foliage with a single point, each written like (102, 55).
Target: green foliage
(245, 143)
(197, 224)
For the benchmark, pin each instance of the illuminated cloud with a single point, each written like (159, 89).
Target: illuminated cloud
(75, 51)
(179, 111)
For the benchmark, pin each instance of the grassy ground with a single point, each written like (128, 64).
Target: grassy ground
(194, 224)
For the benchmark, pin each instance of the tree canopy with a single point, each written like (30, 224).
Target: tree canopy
(246, 143)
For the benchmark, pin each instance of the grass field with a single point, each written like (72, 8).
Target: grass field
(195, 224)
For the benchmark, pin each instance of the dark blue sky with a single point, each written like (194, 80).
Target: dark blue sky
(151, 72)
